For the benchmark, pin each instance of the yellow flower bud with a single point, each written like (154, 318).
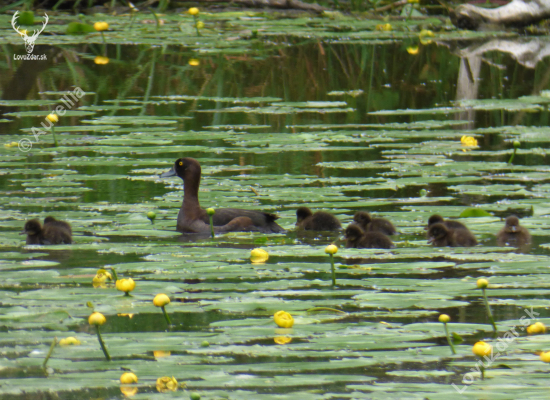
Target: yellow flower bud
(193, 11)
(331, 249)
(545, 357)
(426, 32)
(97, 319)
(412, 50)
(125, 285)
(69, 341)
(161, 300)
(101, 277)
(482, 283)
(536, 329)
(210, 211)
(166, 384)
(200, 24)
(282, 339)
(194, 62)
(384, 27)
(258, 256)
(481, 349)
(100, 60)
(283, 319)
(52, 118)
(128, 377)
(101, 26)
(444, 318)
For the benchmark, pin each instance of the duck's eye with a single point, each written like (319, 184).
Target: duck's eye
(181, 163)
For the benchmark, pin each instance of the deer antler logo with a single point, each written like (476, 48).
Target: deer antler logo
(29, 40)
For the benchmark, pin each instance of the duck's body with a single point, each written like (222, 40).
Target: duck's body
(319, 221)
(357, 238)
(441, 236)
(438, 219)
(53, 232)
(513, 234)
(369, 224)
(194, 219)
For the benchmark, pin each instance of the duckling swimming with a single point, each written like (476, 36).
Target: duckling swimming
(369, 224)
(441, 236)
(319, 221)
(53, 231)
(356, 237)
(513, 234)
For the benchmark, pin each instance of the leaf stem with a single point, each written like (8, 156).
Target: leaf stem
(102, 344)
(52, 346)
(333, 271)
(54, 138)
(489, 312)
(211, 218)
(449, 340)
(166, 317)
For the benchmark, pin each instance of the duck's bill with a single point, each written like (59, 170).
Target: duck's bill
(23, 233)
(430, 240)
(169, 173)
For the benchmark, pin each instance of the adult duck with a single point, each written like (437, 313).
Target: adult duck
(194, 219)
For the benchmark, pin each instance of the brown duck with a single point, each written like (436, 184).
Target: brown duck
(318, 221)
(357, 238)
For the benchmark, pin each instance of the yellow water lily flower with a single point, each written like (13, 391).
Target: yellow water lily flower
(331, 249)
(545, 356)
(444, 318)
(161, 300)
(259, 256)
(194, 62)
(283, 319)
(101, 26)
(193, 11)
(100, 60)
(282, 339)
(482, 349)
(200, 24)
(482, 283)
(101, 277)
(468, 141)
(128, 377)
(96, 318)
(69, 341)
(166, 384)
(536, 329)
(125, 285)
(384, 27)
(52, 118)
(412, 50)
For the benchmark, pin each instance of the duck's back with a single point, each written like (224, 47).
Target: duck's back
(381, 225)
(56, 234)
(320, 221)
(265, 222)
(375, 240)
(463, 238)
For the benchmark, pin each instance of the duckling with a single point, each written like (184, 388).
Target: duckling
(369, 224)
(356, 237)
(57, 232)
(33, 230)
(513, 234)
(438, 219)
(320, 221)
(441, 236)
(53, 232)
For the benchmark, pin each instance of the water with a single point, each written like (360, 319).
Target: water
(334, 155)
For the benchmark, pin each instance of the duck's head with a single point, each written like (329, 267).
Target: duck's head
(32, 227)
(362, 218)
(354, 232)
(512, 224)
(302, 213)
(437, 231)
(435, 219)
(49, 219)
(184, 167)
